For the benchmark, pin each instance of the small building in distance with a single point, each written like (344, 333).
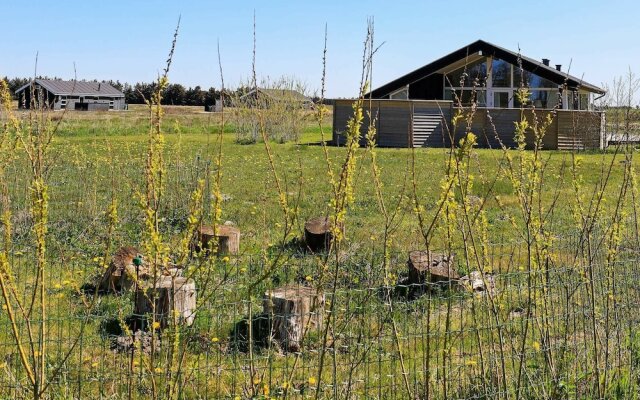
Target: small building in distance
(267, 97)
(71, 95)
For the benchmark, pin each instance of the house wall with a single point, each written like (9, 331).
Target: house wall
(56, 102)
(494, 128)
(407, 123)
(93, 104)
(394, 120)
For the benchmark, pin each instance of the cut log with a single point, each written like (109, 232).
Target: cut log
(225, 239)
(479, 283)
(171, 296)
(294, 310)
(318, 233)
(123, 271)
(442, 268)
(419, 263)
(430, 267)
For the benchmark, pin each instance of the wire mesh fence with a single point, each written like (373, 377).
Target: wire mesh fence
(566, 329)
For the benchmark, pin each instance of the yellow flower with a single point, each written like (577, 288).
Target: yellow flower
(285, 385)
(471, 363)
(158, 370)
(215, 339)
(94, 365)
(265, 390)
(536, 346)
(256, 380)
(225, 259)
(312, 380)
(309, 278)
(156, 325)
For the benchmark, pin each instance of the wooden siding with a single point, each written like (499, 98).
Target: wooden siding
(393, 120)
(580, 130)
(419, 123)
(495, 127)
(394, 124)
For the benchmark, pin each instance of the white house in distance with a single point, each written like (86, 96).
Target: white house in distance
(71, 95)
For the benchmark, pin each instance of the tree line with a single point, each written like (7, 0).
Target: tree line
(174, 94)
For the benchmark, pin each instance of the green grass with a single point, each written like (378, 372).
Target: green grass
(100, 156)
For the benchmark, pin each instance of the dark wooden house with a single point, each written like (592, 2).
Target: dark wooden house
(72, 95)
(416, 109)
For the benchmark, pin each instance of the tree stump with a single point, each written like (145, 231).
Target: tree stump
(226, 239)
(430, 267)
(294, 310)
(170, 295)
(479, 283)
(123, 271)
(318, 233)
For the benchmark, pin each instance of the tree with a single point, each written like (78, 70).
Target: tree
(210, 97)
(195, 96)
(174, 94)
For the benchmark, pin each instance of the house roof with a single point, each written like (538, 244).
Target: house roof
(280, 94)
(486, 49)
(76, 88)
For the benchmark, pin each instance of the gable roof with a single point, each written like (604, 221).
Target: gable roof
(76, 88)
(486, 49)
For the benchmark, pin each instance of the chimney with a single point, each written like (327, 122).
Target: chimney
(545, 61)
(559, 67)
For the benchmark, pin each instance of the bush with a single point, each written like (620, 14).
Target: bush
(278, 110)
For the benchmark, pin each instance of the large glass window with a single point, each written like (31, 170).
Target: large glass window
(402, 94)
(501, 98)
(473, 75)
(542, 99)
(530, 80)
(466, 96)
(521, 77)
(584, 101)
(572, 100)
(500, 73)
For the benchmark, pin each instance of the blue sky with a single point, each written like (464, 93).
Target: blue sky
(129, 40)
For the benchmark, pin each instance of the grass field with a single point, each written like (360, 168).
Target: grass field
(110, 148)
(549, 328)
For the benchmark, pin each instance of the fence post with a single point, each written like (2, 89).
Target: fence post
(603, 130)
(411, 111)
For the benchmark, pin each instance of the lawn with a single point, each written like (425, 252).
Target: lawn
(380, 345)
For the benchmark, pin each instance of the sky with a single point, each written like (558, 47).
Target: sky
(129, 40)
